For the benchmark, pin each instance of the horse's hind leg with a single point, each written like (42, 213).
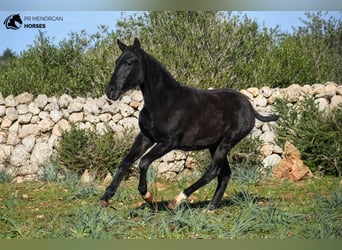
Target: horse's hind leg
(219, 162)
(222, 182)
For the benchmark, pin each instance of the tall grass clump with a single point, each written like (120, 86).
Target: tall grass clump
(317, 134)
(81, 149)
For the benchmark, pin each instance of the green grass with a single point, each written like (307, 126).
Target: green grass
(310, 209)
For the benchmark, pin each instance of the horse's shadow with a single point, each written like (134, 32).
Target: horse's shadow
(228, 202)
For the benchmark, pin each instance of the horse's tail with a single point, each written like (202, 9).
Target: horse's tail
(265, 118)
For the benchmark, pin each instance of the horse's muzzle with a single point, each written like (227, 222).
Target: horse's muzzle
(112, 94)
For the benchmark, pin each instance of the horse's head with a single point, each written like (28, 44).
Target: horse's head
(17, 18)
(128, 71)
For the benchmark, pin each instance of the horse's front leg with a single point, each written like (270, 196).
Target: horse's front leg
(140, 145)
(156, 152)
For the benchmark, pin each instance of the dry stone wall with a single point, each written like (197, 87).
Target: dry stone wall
(30, 127)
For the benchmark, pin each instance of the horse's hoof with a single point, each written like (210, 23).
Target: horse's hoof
(148, 197)
(103, 203)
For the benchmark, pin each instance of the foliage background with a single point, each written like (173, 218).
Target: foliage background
(202, 48)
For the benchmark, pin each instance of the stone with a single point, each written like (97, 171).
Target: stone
(266, 149)
(117, 129)
(105, 117)
(33, 108)
(179, 155)
(75, 107)
(51, 106)
(10, 101)
(12, 139)
(317, 89)
(135, 104)
(41, 101)
(76, 117)
(117, 117)
(90, 107)
(277, 149)
(266, 92)
(5, 123)
(19, 156)
(28, 170)
(306, 89)
(92, 118)
(246, 93)
(53, 141)
(126, 99)
(41, 154)
(24, 98)
(87, 178)
(5, 152)
(35, 119)
(271, 160)
(2, 101)
(292, 93)
(44, 115)
(46, 125)
(125, 109)
(22, 109)
(101, 101)
(136, 95)
(2, 110)
(12, 113)
(164, 167)
(29, 143)
(25, 118)
(107, 180)
(276, 94)
(14, 127)
(323, 104)
(339, 90)
(268, 137)
(330, 89)
(169, 157)
(336, 101)
(129, 123)
(254, 91)
(29, 129)
(260, 101)
(110, 108)
(64, 101)
(63, 125)
(291, 167)
(56, 131)
(56, 115)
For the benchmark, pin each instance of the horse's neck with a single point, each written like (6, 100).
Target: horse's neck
(158, 85)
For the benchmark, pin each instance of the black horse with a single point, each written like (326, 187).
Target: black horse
(178, 117)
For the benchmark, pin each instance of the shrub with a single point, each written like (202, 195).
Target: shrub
(315, 133)
(84, 149)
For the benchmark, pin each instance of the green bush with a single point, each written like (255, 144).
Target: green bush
(200, 48)
(80, 149)
(315, 133)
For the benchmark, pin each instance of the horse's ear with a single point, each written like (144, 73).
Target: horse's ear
(136, 45)
(121, 45)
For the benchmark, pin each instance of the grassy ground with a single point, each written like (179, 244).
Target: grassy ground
(308, 209)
